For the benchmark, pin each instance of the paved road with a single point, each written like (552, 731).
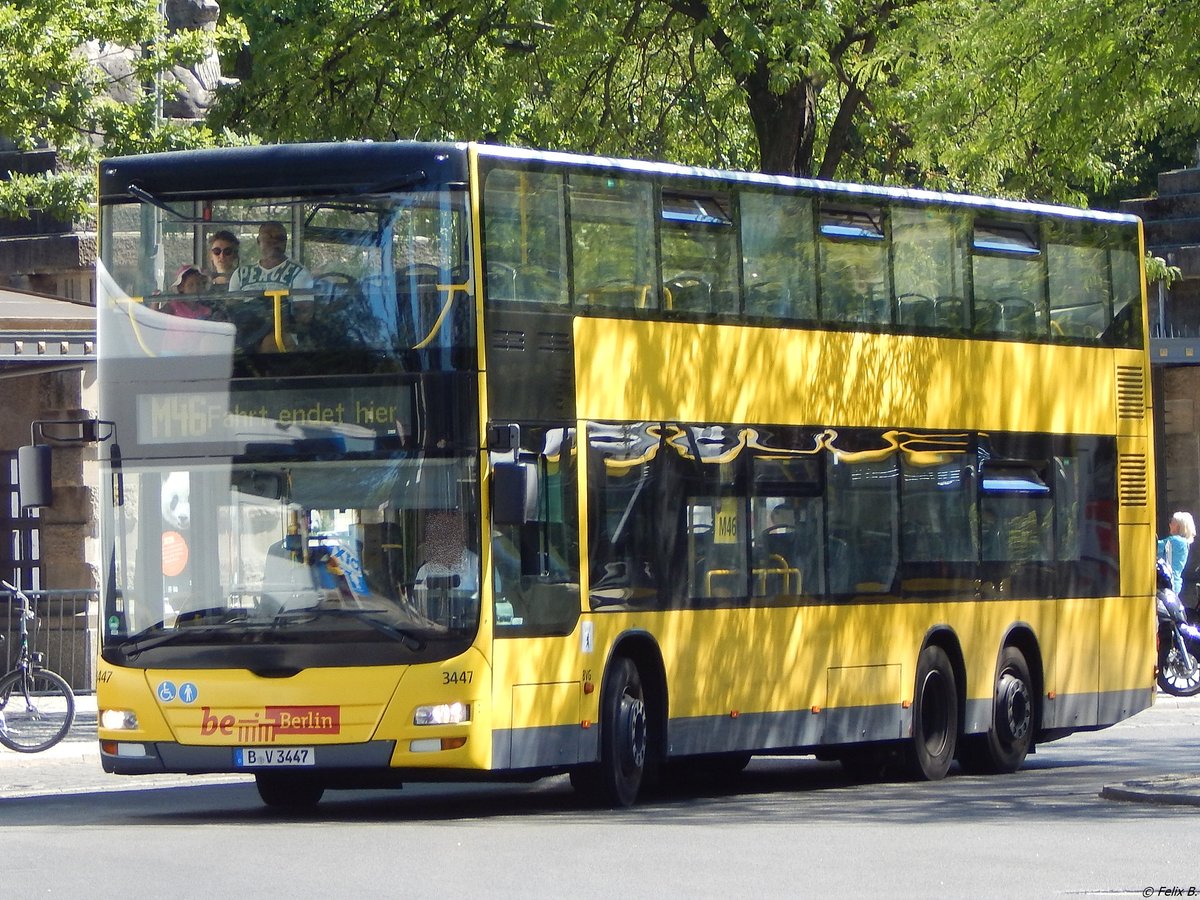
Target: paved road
(74, 765)
(791, 827)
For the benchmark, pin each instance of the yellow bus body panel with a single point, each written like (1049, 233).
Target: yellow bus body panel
(721, 373)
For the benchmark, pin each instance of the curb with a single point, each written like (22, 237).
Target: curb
(1169, 790)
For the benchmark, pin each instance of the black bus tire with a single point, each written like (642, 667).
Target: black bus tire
(1009, 738)
(624, 734)
(934, 716)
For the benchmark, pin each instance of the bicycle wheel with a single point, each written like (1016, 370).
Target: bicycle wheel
(36, 710)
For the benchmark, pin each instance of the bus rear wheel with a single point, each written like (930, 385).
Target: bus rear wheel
(624, 738)
(282, 790)
(934, 716)
(1010, 733)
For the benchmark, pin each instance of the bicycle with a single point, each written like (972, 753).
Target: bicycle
(37, 706)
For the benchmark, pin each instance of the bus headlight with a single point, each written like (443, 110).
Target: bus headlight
(443, 714)
(118, 719)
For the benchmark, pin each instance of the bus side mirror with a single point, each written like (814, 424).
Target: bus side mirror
(514, 493)
(33, 476)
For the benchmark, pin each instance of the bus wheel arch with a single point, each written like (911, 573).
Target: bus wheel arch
(938, 692)
(1015, 715)
(632, 723)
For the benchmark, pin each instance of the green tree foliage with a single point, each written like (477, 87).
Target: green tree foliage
(1048, 99)
(1158, 269)
(779, 86)
(52, 95)
(1056, 100)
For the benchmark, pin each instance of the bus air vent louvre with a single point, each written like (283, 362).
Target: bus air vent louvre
(508, 339)
(554, 342)
(1131, 393)
(1135, 490)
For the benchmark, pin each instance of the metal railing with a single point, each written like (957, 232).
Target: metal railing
(63, 630)
(1173, 315)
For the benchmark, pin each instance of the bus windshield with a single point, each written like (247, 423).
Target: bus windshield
(364, 560)
(372, 279)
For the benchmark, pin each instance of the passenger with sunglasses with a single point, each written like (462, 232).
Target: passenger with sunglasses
(223, 249)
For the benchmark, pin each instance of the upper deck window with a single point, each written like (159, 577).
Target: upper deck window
(1077, 268)
(929, 265)
(651, 243)
(1124, 259)
(852, 224)
(1017, 240)
(1008, 269)
(525, 244)
(362, 279)
(698, 248)
(779, 251)
(612, 242)
(856, 283)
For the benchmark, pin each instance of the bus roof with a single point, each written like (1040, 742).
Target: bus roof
(366, 167)
(847, 190)
(351, 167)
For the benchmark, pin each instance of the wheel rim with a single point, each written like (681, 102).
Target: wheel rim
(633, 729)
(1180, 675)
(1016, 707)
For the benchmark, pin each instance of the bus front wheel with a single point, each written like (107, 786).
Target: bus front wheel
(624, 738)
(934, 716)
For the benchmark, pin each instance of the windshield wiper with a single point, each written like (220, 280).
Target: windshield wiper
(188, 624)
(140, 193)
(191, 631)
(407, 636)
(144, 640)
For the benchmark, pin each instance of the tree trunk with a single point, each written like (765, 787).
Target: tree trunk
(785, 125)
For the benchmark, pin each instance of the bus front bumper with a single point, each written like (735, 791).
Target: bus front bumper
(158, 757)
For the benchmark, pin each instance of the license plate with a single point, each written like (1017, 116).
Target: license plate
(260, 757)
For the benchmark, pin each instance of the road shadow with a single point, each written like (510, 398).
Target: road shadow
(780, 790)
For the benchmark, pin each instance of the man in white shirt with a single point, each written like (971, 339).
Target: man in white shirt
(274, 270)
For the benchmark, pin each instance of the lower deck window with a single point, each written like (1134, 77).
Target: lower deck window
(691, 515)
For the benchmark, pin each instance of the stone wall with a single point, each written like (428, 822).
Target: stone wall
(41, 253)
(69, 535)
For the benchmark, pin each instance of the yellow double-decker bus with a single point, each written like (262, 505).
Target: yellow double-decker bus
(454, 461)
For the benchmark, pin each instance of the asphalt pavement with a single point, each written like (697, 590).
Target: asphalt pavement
(73, 767)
